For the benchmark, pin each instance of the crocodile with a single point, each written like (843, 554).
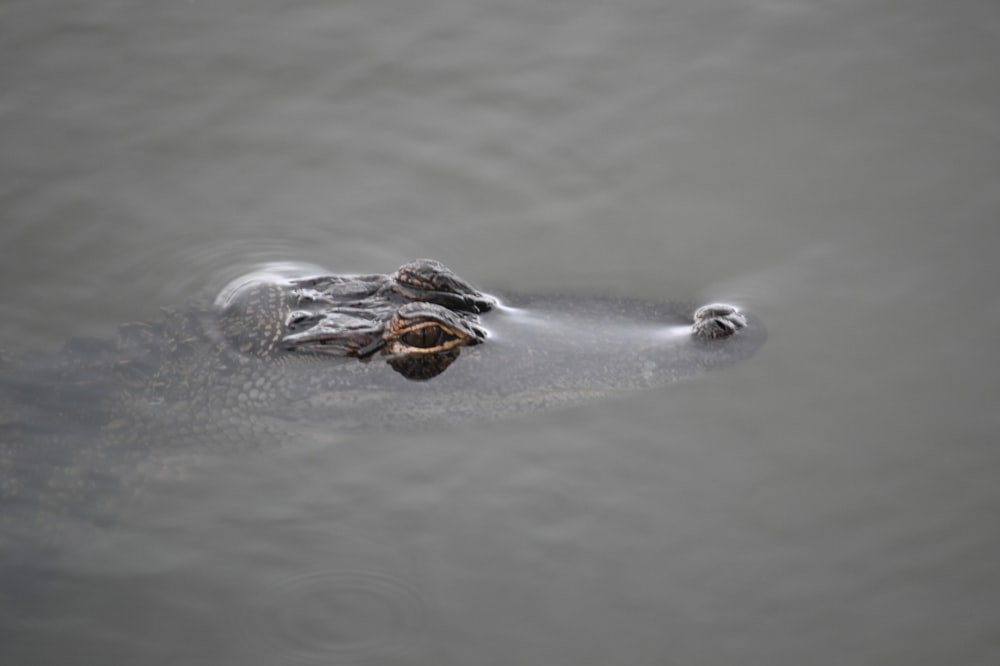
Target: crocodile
(279, 348)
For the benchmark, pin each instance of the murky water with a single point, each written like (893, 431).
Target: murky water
(830, 166)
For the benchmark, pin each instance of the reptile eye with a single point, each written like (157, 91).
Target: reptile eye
(423, 338)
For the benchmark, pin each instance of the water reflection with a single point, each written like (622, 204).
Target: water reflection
(424, 366)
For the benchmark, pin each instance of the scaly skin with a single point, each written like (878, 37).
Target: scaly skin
(82, 429)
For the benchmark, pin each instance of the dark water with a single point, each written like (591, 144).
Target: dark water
(831, 166)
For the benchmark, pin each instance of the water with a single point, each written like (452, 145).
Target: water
(831, 167)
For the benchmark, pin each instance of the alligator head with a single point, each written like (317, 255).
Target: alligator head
(418, 319)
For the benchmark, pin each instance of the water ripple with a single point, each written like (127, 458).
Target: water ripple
(336, 616)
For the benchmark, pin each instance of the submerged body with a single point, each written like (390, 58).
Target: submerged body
(281, 353)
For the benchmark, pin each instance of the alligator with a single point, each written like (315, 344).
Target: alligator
(279, 348)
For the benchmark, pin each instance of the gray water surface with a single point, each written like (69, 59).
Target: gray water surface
(829, 166)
